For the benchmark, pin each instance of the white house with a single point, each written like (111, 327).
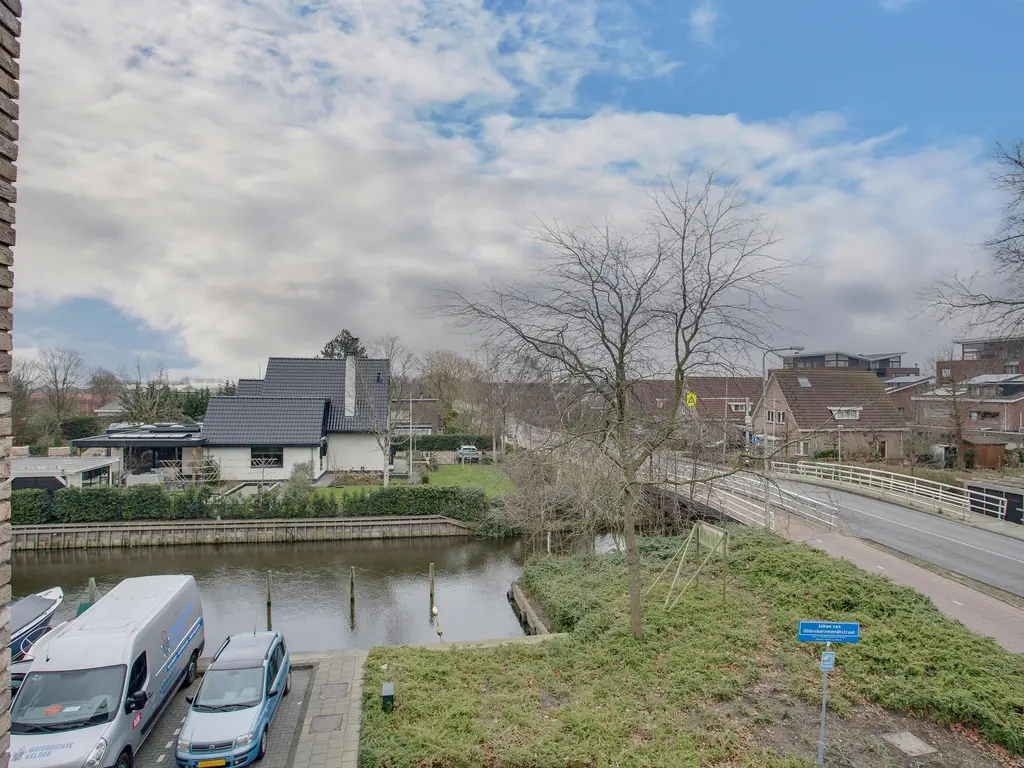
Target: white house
(327, 411)
(51, 473)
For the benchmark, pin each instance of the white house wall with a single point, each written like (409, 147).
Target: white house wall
(236, 463)
(354, 453)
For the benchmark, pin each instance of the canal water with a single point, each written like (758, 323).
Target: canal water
(310, 587)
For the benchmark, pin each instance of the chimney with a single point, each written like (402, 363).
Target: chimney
(350, 386)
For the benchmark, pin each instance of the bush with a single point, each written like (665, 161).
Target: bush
(469, 505)
(191, 503)
(32, 506)
(446, 442)
(80, 426)
(89, 505)
(828, 453)
(145, 502)
(38, 449)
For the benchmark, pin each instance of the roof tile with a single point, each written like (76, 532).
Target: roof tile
(832, 388)
(265, 420)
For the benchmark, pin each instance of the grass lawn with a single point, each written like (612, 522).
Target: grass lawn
(600, 698)
(487, 477)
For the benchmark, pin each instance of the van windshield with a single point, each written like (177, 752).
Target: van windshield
(62, 701)
(230, 689)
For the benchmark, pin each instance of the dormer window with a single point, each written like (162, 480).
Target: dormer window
(845, 414)
(738, 407)
(660, 402)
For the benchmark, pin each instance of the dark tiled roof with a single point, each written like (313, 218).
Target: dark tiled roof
(249, 387)
(265, 420)
(835, 387)
(325, 377)
(713, 392)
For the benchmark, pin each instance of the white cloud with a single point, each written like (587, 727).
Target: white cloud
(703, 20)
(252, 179)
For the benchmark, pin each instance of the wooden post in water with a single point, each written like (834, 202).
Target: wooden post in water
(352, 590)
(93, 594)
(431, 586)
(270, 623)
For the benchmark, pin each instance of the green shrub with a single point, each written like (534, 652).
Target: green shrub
(446, 442)
(38, 449)
(828, 453)
(145, 502)
(89, 505)
(80, 426)
(32, 506)
(191, 503)
(470, 505)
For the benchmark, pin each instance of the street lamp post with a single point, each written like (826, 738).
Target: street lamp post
(839, 452)
(769, 518)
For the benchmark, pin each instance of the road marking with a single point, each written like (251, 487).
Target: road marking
(820, 541)
(168, 745)
(958, 602)
(880, 567)
(160, 759)
(177, 731)
(929, 533)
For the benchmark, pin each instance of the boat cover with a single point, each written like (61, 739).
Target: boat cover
(27, 610)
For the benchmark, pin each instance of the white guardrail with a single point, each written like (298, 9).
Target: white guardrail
(745, 497)
(892, 485)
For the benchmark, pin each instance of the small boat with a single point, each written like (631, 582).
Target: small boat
(30, 618)
(19, 668)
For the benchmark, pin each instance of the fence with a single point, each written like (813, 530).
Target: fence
(906, 488)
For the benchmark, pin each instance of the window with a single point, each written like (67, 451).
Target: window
(937, 413)
(93, 477)
(844, 414)
(984, 415)
(660, 402)
(738, 407)
(137, 677)
(881, 449)
(900, 412)
(946, 373)
(803, 381)
(803, 448)
(266, 457)
(1012, 368)
(775, 417)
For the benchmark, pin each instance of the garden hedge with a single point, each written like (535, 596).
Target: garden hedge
(446, 442)
(152, 502)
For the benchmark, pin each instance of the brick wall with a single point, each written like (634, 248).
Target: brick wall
(10, 52)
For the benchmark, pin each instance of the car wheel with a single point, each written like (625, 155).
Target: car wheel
(191, 672)
(124, 760)
(288, 683)
(263, 746)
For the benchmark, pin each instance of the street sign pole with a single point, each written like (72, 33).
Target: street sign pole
(827, 660)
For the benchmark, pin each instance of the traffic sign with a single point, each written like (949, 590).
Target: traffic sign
(757, 440)
(691, 399)
(828, 632)
(828, 661)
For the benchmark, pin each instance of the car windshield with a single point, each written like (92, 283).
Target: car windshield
(48, 702)
(230, 689)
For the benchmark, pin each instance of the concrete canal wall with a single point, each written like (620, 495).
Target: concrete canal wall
(525, 612)
(191, 532)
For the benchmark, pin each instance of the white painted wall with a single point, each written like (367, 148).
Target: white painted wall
(235, 463)
(353, 453)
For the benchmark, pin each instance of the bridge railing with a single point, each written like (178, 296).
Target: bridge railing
(898, 487)
(749, 498)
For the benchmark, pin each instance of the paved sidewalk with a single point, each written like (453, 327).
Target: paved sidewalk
(975, 610)
(330, 731)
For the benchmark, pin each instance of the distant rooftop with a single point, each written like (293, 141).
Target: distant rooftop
(861, 355)
(33, 466)
(991, 340)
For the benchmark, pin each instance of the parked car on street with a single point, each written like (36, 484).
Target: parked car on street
(229, 718)
(468, 453)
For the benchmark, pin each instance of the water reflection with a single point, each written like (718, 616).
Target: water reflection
(311, 586)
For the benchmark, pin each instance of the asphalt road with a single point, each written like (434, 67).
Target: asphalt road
(981, 555)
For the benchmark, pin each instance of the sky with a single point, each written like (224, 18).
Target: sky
(206, 183)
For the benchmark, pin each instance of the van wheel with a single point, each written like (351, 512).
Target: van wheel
(288, 683)
(190, 673)
(263, 746)
(124, 760)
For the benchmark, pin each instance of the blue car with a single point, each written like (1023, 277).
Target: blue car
(229, 718)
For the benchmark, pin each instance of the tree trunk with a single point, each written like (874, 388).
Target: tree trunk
(387, 467)
(636, 620)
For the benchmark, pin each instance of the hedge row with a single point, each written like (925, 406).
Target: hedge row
(152, 502)
(446, 442)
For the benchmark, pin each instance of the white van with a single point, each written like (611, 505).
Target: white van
(98, 685)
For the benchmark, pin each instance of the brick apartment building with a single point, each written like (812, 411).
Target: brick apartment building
(884, 365)
(986, 402)
(976, 357)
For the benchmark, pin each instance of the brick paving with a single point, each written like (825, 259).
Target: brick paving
(329, 737)
(158, 750)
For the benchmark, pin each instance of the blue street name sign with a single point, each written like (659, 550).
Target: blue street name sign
(828, 632)
(828, 661)
(757, 440)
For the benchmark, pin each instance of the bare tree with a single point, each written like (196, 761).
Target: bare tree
(24, 380)
(608, 310)
(148, 400)
(994, 301)
(60, 376)
(400, 382)
(105, 385)
(445, 376)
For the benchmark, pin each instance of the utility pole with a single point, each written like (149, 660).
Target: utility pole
(764, 417)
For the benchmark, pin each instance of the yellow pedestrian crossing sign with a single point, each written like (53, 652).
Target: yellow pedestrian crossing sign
(691, 399)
